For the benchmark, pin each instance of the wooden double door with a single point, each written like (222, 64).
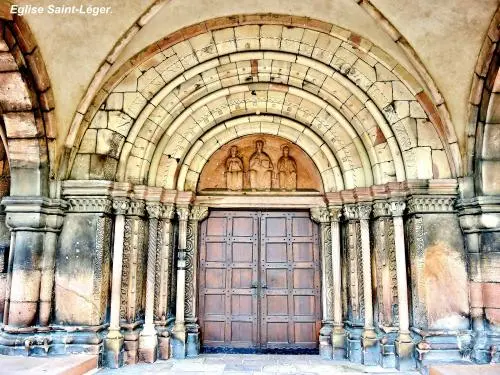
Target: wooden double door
(259, 286)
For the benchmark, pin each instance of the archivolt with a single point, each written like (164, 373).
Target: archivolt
(350, 94)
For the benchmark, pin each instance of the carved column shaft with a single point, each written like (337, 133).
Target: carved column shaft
(120, 207)
(336, 266)
(397, 209)
(364, 215)
(153, 210)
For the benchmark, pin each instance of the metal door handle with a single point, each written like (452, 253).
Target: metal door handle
(264, 286)
(254, 285)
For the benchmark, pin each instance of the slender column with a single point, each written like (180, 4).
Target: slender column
(338, 334)
(322, 216)
(404, 344)
(179, 330)
(165, 250)
(369, 354)
(148, 341)
(114, 339)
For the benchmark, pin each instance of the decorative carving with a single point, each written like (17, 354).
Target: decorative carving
(120, 206)
(183, 213)
(351, 212)
(397, 208)
(430, 204)
(261, 168)
(287, 170)
(189, 259)
(198, 213)
(364, 210)
(154, 209)
(320, 215)
(90, 204)
(326, 251)
(167, 212)
(335, 212)
(234, 170)
(126, 270)
(415, 238)
(101, 268)
(381, 209)
(137, 208)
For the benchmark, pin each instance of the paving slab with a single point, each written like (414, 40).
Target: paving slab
(63, 365)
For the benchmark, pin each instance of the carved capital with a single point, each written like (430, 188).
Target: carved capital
(137, 208)
(381, 208)
(335, 212)
(320, 215)
(351, 212)
(364, 210)
(430, 204)
(153, 209)
(120, 206)
(168, 211)
(87, 204)
(198, 213)
(183, 213)
(397, 208)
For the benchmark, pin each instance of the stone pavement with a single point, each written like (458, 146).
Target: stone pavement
(252, 364)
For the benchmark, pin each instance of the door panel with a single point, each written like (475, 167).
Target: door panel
(259, 280)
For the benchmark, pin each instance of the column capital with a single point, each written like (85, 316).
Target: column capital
(335, 212)
(320, 215)
(183, 212)
(364, 210)
(381, 209)
(431, 204)
(34, 213)
(121, 205)
(351, 212)
(168, 211)
(90, 204)
(137, 208)
(153, 209)
(198, 213)
(397, 207)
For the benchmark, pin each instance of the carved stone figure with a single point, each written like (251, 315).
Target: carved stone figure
(287, 171)
(261, 168)
(234, 170)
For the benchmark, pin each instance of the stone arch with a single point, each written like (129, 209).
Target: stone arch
(27, 106)
(482, 153)
(330, 61)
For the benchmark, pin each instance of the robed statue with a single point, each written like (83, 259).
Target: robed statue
(234, 170)
(260, 168)
(287, 170)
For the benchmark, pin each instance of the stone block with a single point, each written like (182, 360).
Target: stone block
(37, 67)
(14, 93)
(489, 177)
(22, 125)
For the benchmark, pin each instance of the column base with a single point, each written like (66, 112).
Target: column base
(338, 339)
(405, 353)
(164, 347)
(353, 345)
(481, 353)
(178, 341)
(148, 346)
(113, 350)
(325, 342)
(131, 346)
(370, 350)
(387, 350)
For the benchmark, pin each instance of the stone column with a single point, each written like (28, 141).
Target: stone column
(370, 350)
(322, 216)
(179, 330)
(355, 302)
(133, 274)
(163, 279)
(148, 340)
(114, 339)
(404, 345)
(338, 334)
(34, 223)
(198, 213)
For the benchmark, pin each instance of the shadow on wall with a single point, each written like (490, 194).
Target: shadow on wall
(446, 287)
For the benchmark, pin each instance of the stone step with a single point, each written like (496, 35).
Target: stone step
(464, 370)
(63, 365)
